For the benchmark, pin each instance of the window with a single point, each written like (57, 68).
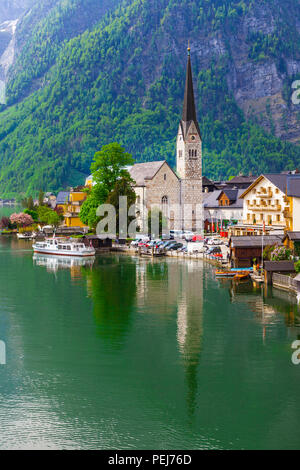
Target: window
(180, 153)
(165, 203)
(165, 177)
(196, 153)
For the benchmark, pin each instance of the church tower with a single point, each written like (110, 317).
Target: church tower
(189, 158)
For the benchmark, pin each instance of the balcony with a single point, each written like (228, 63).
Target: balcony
(272, 207)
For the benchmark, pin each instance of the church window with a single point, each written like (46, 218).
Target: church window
(190, 153)
(165, 177)
(195, 153)
(165, 202)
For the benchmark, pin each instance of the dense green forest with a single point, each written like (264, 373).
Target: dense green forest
(77, 86)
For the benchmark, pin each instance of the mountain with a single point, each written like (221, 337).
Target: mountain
(85, 73)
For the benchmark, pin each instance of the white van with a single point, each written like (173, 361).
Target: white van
(196, 247)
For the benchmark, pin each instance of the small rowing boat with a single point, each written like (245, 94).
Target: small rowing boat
(227, 274)
(241, 276)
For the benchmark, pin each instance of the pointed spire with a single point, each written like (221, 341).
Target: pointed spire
(189, 108)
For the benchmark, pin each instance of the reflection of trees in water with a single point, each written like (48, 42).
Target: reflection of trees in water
(112, 286)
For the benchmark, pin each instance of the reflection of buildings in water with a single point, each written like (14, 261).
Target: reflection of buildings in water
(190, 325)
(268, 304)
(54, 263)
(168, 284)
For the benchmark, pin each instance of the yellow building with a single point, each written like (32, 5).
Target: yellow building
(72, 208)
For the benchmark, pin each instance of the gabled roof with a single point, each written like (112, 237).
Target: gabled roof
(242, 179)
(232, 194)
(254, 241)
(207, 182)
(141, 172)
(211, 200)
(293, 236)
(286, 182)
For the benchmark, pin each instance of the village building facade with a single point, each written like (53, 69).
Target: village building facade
(271, 204)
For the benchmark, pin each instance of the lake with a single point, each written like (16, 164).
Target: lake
(128, 353)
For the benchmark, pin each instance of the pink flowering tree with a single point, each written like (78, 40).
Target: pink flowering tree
(21, 220)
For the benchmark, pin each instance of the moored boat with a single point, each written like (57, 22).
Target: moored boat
(229, 274)
(241, 276)
(63, 247)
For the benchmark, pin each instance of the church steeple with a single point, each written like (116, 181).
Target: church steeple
(189, 108)
(189, 141)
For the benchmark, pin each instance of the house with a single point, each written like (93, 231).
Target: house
(222, 207)
(177, 194)
(292, 211)
(241, 182)
(270, 204)
(292, 241)
(244, 249)
(72, 209)
(208, 186)
(62, 200)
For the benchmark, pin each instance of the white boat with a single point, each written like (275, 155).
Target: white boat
(26, 236)
(63, 247)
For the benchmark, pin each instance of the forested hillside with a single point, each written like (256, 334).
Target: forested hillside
(89, 72)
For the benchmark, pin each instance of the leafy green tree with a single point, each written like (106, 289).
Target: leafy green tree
(33, 214)
(109, 165)
(88, 211)
(123, 187)
(108, 168)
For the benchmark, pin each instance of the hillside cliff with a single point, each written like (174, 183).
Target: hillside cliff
(90, 72)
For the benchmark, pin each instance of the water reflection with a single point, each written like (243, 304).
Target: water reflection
(54, 263)
(112, 287)
(268, 304)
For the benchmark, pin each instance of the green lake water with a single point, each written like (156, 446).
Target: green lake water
(133, 354)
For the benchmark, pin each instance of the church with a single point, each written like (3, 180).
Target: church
(178, 194)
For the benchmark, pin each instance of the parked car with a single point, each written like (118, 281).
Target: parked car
(166, 245)
(139, 240)
(213, 250)
(175, 247)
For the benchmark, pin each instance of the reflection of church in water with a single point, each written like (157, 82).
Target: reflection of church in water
(181, 289)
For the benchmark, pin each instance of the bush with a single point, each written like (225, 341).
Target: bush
(281, 253)
(297, 267)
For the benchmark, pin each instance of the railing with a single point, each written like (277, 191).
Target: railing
(284, 281)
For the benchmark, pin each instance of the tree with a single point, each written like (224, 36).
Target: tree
(110, 165)
(5, 222)
(41, 198)
(48, 216)
(108, 168)
(21, 220)
(30, 204)
(88, 211)
(32, 213)
(123, 187)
